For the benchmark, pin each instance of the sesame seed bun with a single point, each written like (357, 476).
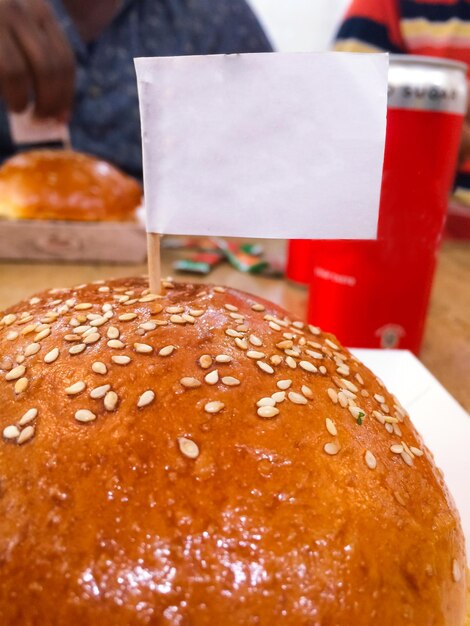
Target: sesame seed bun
(66, 185)
(201, 458)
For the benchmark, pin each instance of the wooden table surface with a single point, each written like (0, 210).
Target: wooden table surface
(446, 350)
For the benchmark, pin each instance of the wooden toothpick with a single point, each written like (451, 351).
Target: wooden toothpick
(154, 262)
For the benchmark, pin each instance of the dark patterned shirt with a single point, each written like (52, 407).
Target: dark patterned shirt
(105, 119)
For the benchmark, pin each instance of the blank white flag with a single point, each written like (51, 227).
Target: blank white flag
(264, 145)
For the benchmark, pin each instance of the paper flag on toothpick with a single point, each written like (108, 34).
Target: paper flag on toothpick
(264, 145)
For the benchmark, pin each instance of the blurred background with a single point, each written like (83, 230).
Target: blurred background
(300, 25)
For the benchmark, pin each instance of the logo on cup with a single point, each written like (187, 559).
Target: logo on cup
(390, 336)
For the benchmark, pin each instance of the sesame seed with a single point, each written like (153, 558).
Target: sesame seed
(188, 447)
(265, 367)
(237, 316)
(83, 306)
(257, 307)
(146, 398)
(25, 320)
(308, 367)
(35, 300)
(149, 298)
(295, 352)
(11, 432)
(12, 335)
(113, 332)
(177, 319)
(93, 338)
(331, 427)
(20, 359)
(212, 378)
(290, 362)
(343, 370)
(284, 384)
(416, 451)
(84, 415)
(343, 399)
(255, 341)
(389, 428)
(407, 458)
(29, 416)
(397, 448)
(219, 289)
(275, 359)
(314, 355)
(99, 392)
(380, 399)
(143, 348)
(274, 326)
(15, 373)
(331, 448)
(253, 354)
(307, 392)
(268, 412)
(127, 317)
(314, 329)
(456, 572)
(285, 344)
(223, 358)
(241, 343)
(9, 319)
(110, 401)
(121, 359)
(298, 325)
(205, 361)
(331, 344)
(349, 385)
(77, 387)
(233, 333)
(99, 368)
(370, 460)
(115, 344)
(390, 420)
(322, 369)
(148, 326)
(214, 407)
(52, 356)
(33, 348)
(26, 434)
(333, 395)
(266, 402)
(297, 398)
(189, 382)
(397, 431)
(99, 321)
(21, 385)
(230, 381)
(43, 334)
(379, 416)
(230, 307)
(278, 396)
(77, 348)
(407, 450)
(357, 412)
(72, 338)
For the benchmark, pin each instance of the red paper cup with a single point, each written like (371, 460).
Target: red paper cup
(375, 294)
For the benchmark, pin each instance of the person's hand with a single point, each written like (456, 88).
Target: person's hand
(36, 61)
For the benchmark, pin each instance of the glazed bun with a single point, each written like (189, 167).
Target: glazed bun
(66, 185)
(200, 458)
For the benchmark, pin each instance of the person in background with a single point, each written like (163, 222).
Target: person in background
(439, 28)
(74, 61)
